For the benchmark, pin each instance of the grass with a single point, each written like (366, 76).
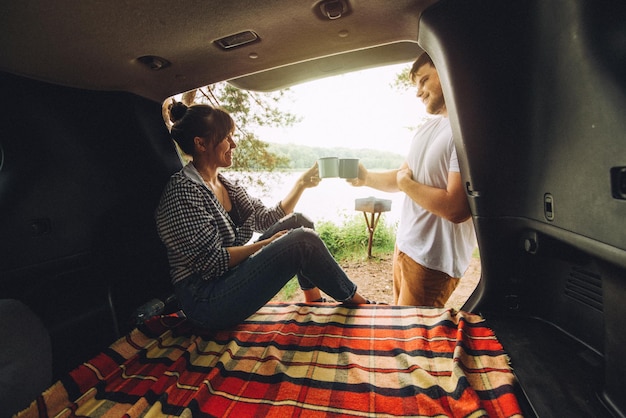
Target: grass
(349, 240)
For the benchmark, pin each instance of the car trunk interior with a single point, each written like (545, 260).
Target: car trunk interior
(536, 95)
(82, 173)
(540, 122)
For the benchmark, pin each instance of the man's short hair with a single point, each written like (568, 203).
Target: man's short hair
(422, 60)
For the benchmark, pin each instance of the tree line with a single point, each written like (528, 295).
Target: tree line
(299, 157)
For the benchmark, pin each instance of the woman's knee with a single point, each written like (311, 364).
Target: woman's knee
(305, 235)
(302, 240)
(303, 220)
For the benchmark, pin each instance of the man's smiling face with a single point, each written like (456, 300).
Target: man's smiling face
(429, 90)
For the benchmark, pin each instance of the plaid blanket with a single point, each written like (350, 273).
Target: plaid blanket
(301, 360)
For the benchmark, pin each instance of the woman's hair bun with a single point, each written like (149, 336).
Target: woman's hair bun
(177, 111)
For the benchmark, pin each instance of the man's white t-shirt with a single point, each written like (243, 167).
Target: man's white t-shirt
(428, 239)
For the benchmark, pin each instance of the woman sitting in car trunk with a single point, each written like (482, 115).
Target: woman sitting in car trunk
(207, 221)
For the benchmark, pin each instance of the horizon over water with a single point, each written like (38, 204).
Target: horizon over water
(332, 200)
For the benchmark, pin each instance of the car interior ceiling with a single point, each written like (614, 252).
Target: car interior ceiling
(538, 116)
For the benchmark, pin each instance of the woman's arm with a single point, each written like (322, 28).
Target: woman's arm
(309, 178)
(239, 254)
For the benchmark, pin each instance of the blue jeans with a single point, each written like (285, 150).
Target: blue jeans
(228, 300)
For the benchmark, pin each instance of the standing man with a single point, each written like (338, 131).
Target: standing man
(435, 238)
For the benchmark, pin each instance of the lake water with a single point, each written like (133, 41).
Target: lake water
(332, 200)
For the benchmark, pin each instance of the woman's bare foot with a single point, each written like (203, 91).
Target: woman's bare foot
(356, 300)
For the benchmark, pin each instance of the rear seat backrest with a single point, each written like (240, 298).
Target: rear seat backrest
(25, 357)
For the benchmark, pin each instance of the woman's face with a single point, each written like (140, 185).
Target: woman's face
(222, 155)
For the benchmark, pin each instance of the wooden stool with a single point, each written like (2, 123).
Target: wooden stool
(374, 207)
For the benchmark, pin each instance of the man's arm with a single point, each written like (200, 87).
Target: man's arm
(450, 203)
(384, 181)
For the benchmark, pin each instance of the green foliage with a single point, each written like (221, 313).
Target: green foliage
(252, 109)
(254, 155)
(349, 240)
(402, 81)
(289, 289)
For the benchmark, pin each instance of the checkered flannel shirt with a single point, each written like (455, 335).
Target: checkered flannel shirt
(196, 229)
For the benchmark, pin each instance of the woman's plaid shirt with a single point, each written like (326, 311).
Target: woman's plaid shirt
(196, 229)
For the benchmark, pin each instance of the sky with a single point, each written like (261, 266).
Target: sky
(355, 110)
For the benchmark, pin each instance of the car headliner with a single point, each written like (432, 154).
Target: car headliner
(96, 44)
